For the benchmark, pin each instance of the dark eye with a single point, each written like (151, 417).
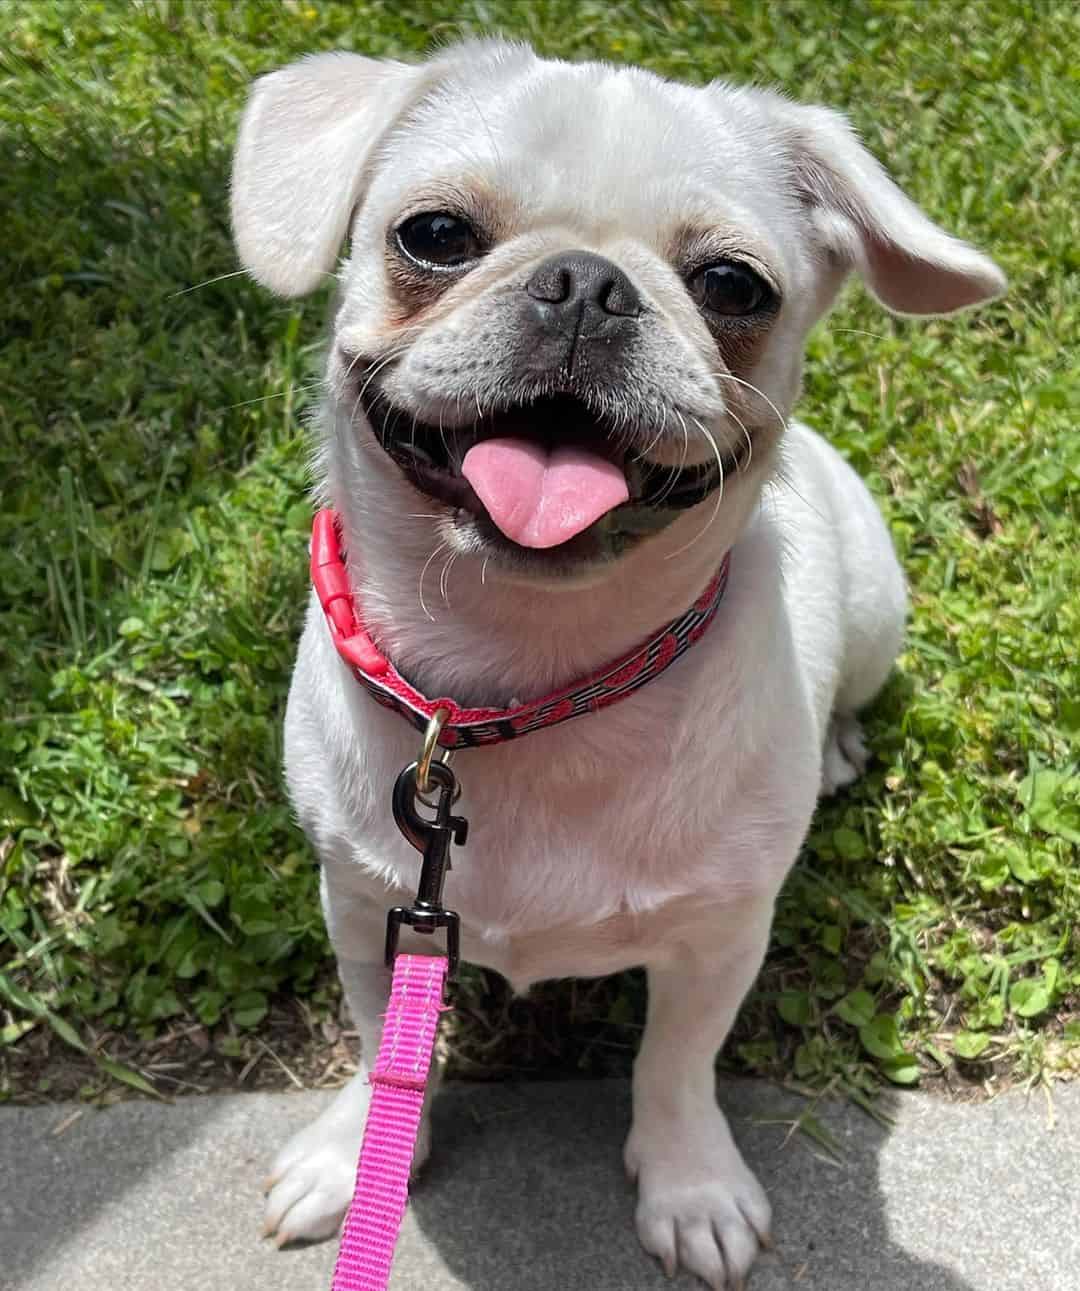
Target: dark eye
(436, 238)
(730, 288)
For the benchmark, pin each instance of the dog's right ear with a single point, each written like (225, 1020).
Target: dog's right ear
(302, 158)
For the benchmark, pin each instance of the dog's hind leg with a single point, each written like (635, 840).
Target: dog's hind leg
(875, 633)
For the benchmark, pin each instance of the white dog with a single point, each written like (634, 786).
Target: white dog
(568, 338)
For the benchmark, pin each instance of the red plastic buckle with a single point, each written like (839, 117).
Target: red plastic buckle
(331, 582)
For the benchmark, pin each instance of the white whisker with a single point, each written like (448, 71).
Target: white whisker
(719, 498)
(640, 457)
(780, 477)
(222, 277)
(442, 433)
(487, 129)
(673, 472)
(483, 572)
(701, 426)
(373, 372)
(427, 565)
(444, 577)
(673, 475)
(727, 376)
(263, 398)
(858, 331)
(375, 369)
(348, 371)
(746, 435)
(685, 439)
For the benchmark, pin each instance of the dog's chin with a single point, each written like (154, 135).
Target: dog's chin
(579, 562)
(431, 456)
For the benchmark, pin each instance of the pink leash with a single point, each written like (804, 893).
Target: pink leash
(399, 1078)
(397, 1101)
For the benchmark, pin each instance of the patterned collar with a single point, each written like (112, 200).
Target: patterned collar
(470, 727)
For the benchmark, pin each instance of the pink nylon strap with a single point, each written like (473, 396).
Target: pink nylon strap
(397, 1100)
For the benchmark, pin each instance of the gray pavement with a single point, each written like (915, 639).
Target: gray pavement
(525, 1192)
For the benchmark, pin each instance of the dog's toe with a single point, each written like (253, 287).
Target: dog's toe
(849, 735)
(656, 1232)
(845, 755)
(700, 1253)
(740, 1243)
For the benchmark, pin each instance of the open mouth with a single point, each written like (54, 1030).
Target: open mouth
(544, 472)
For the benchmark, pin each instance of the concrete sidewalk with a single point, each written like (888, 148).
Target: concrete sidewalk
(525, 1192)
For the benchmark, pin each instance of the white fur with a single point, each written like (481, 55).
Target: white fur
(658, 831)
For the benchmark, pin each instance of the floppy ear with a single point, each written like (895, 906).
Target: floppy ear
(910, 264)
(306, 139)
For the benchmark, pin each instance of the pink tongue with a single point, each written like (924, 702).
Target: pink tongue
(537, 498)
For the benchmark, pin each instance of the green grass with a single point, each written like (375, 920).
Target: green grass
(152, 546)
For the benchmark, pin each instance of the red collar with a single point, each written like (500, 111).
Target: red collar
(472, 726)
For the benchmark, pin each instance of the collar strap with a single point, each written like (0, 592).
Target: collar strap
(468, 727)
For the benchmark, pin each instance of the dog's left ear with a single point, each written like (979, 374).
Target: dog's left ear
(907, 261)
(302, 157)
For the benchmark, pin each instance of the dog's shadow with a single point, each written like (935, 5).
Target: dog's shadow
(525, 1190)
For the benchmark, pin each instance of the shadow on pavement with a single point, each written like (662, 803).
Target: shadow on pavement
(530, 1179)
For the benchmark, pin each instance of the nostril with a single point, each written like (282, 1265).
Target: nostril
(618, 296)
(551, 282)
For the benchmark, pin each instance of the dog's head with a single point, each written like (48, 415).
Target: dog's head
(576, 298)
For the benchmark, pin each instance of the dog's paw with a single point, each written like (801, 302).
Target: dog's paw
(699, 1207)
(846, 754)
(311, 1180)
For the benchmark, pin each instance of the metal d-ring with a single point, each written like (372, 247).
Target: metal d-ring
(434, 729)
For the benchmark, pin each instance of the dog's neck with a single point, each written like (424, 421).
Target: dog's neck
(485, 639)
(479, 636)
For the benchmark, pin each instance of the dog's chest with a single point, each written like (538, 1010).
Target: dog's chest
(564, 877)
(620, 940)
(574, 907)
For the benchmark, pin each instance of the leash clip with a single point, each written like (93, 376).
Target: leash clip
(432, 838)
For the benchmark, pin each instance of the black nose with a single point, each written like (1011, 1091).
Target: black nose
(571, 280)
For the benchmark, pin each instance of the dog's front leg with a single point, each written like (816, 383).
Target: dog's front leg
(311, 1180)
(699, 1206)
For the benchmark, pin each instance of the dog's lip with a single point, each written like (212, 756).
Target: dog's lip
(430, 455)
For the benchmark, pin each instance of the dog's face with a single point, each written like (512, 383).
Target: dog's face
(573, 311)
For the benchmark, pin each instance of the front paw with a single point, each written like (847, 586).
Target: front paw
(699, 1207)
(311, 1180)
